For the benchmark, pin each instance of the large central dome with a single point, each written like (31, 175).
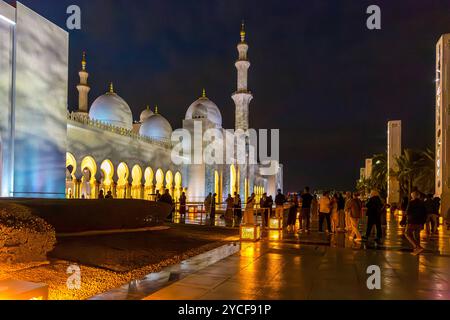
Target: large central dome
(204, 108)
(112, 109)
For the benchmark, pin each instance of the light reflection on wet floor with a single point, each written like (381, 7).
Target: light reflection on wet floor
(306, 266)
(139, 289)
(289, 270)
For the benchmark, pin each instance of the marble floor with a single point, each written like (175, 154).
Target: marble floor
(140, 288)
(319, 266)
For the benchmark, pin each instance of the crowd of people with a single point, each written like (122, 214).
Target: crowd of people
(341, 212)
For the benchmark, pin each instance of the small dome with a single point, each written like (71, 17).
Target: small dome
(147, 113)
(156, 127)
(204, 108)
(112, 109)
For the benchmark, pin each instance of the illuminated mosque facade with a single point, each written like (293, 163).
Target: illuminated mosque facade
(47, 151)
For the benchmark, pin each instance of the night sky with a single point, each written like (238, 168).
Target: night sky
(318, 74)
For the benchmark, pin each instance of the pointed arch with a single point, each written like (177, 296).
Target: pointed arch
(107, 169)
(178, 185)
(71, 164)
(217, 183)
(169, 182)
(88, 181)
(122, 182)
(160, 180)
(149, 176)
(233, 180)
(137, 188)
(71, 183)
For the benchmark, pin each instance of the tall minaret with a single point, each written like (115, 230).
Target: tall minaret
(242, 97)
(83, 87)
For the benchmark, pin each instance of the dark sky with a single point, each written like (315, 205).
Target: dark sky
(317, 73)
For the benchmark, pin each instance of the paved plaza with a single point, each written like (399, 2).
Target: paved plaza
(318, 266)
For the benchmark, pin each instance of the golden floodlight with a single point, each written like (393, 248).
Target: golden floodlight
(275, 235)
(21, 290)
(250, 232)
(276, 223)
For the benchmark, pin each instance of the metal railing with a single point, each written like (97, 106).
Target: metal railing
(197, 211)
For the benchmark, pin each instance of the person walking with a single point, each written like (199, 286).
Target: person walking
(269, 206)
(432, 216)
(431, 221)
(249, 214)
(212, 217)
(280, 200)
(237, 208)
(325, 211)
(101, 195)
(341, 213)
(314, 207)
(167, 198)
(292, 217)
(305, 216)
(157, 196)
(263, 210)
(374, 209)
(334, 213)
(437, 208)
(183, 208)
(229, 212)
(416, 217)
(354, 210)
(207, 204)
(348, 202)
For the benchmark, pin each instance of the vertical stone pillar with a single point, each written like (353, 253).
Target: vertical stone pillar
(394, 152)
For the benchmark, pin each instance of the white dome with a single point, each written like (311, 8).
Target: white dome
(156, 127)
(204, 108)
(112, 109)
(147, 113)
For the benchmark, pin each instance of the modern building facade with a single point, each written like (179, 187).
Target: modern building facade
(442, 121)
(394, 152)
(368, 169)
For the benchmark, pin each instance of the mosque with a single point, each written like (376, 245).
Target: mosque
(47, 151)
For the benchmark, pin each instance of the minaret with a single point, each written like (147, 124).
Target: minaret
(83, 87)
(242, 97)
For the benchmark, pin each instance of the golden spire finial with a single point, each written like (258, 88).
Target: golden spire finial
(204, 93)
(148, 107)
(111, 88)
(83, 61)
(243, 31)
(156, 109)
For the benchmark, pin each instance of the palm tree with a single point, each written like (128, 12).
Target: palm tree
(379, 173)
(416, 170)
(424, 177)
